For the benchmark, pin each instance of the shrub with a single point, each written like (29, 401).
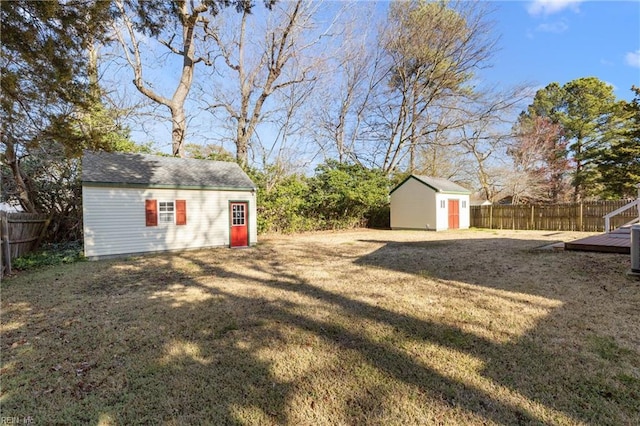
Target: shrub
(347, 195)
(50, 254)
(338, 196)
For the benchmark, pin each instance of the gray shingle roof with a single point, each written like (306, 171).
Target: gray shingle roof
(442, 185)
(437, 184)
(123, 169)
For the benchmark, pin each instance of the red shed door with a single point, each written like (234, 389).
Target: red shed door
(454, 214)
(239, 224)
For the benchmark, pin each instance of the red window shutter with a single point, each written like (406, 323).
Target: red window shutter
(181, 212)
(151, 212)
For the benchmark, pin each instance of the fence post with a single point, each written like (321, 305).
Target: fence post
(491, 216)
(581, 222)
(533, 223)
(6, 249)
(1, 250)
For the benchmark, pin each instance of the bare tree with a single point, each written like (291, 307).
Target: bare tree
(480, 144)
(258, 70)
(348, 83)
(440, 161)
(189, 18)
(540, 151)
(286, 149)
(180, 27)
(433, 50)
(481, 136)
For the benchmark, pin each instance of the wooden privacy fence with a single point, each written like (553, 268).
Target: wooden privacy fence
(20, 234)
(587, 216)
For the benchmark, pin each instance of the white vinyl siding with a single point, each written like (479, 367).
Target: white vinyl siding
(114, 220)
(415, 205)
(443, 214)
(465, 212)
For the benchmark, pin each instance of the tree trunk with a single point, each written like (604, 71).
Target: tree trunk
(577, 192)
(412, 159)
(93, 52)
(23, 191)
(242, 145)
(189, 23)
(178, 130)
(262, 79)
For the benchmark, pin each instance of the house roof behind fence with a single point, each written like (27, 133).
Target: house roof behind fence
(126, 169)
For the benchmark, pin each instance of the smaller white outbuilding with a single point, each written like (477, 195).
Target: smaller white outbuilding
(434, 204)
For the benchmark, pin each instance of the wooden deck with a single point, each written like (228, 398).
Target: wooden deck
(618, 241)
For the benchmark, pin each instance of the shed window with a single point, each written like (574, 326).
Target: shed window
(167, 212)
(238, 215)
(442, 204)
(464, 204)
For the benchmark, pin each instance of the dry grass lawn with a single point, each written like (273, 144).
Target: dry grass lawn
(363, 327)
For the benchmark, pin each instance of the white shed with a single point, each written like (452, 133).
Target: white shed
(137, 203)
(435, 204)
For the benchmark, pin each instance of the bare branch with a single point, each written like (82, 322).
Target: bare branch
(169, 45)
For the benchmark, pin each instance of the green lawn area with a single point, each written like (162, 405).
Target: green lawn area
(362, 327)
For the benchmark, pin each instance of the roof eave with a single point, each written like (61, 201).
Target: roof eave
(454, 192)
(416, 178)
(167, 186)
(429, 186)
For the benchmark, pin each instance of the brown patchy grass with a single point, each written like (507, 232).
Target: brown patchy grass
(366, 327)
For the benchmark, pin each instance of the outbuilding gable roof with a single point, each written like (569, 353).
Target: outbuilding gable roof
(437, 184)
(138, 170)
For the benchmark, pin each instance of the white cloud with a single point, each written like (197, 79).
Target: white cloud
(633, 58)
(553, 27)
(549, 7)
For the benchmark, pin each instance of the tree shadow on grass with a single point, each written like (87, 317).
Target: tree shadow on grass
(183, 337)
(561, 362)
(126, 353)
(390, 360)
(524, 366)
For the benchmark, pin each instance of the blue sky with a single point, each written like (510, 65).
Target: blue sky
(546, 41)
(541, 41)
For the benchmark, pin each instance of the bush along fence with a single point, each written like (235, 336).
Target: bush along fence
(20, 233)
(587, 216)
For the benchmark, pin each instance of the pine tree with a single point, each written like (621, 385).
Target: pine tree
(619, 165)
(591, 119)
(43, 78)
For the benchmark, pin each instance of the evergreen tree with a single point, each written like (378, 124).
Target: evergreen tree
(44, 80)
(619, 165)
(590, 118)
(587, 118)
